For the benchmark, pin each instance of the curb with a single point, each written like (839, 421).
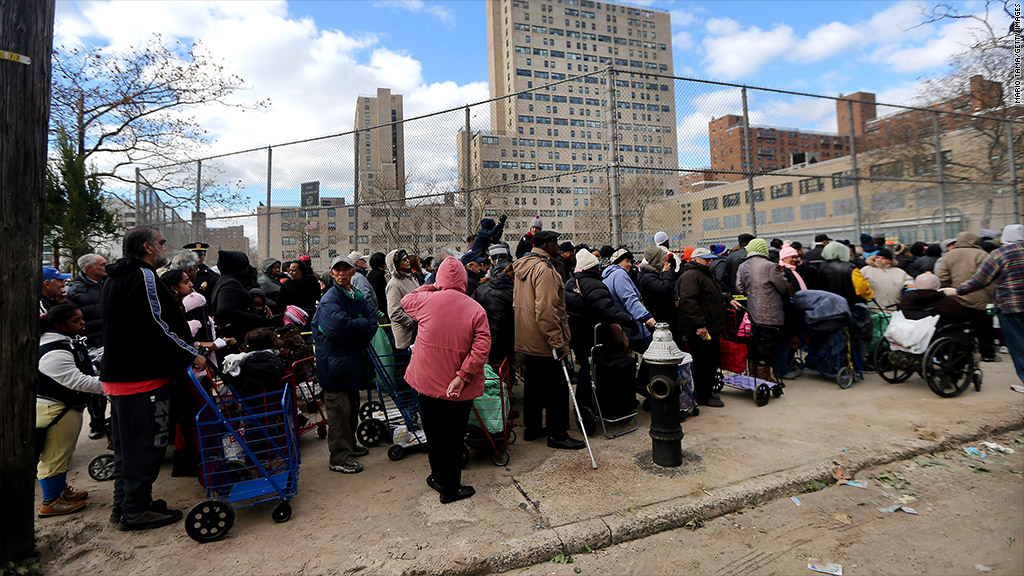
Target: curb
(636, 523)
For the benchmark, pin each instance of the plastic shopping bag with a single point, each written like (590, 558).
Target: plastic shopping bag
(911, 336)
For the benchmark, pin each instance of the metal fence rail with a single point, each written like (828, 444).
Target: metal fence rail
(637, 153)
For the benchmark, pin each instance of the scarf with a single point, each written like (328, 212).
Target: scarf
(799, 280)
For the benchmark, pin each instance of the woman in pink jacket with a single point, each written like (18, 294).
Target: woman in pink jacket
(447, 369)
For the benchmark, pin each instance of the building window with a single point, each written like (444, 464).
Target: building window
(811, 185)
(842, 179)
(758, 195)
(730, 200)
(781, 215)
(784, 190)
(711, 224)
(710, 204)
(892, 169)
(812, 211)
(287, 241)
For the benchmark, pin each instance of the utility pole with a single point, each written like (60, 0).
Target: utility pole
(26, 40)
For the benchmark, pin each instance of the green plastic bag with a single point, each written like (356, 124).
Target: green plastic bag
(382, 346)
(492, 407)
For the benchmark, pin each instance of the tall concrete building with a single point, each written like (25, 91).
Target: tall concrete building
(380, 149)
(547, 130)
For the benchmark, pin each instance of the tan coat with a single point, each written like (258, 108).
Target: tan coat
(959, 265)
(538, 300)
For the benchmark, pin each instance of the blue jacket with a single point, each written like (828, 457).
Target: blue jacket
(627, 299)
(343, 326)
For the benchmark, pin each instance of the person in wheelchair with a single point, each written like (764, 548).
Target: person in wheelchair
(925, 298)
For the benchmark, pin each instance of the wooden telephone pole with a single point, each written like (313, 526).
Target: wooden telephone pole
(26, 41)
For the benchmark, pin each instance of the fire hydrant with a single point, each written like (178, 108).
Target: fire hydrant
(664, 358)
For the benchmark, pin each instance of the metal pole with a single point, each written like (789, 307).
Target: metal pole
(613, 169)
(1017, 204)
(466, 164)
(270, 174)
(138, 197)
(857, 222)
(939, 172)
(195, 215)
(355, 194)
(749, 161)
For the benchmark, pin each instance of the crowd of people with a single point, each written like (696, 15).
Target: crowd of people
(147, 319)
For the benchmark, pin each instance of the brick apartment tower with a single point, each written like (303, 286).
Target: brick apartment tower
(380, 147)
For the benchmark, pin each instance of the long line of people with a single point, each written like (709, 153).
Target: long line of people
(152, 317)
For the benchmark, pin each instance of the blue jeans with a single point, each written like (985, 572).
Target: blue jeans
(1013, 330)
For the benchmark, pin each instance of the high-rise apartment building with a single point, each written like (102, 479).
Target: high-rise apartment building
(554, 56)
(379, 148)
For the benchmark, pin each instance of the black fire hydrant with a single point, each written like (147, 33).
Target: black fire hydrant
(664, 357)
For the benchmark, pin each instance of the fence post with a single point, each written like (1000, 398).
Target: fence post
(466, 163)
(196, 236)
(857, 221)
(1017, 206)
(613, 169)
(940, 173)
(355, 194)
(749, 161)
(138, 196)
(270, 174)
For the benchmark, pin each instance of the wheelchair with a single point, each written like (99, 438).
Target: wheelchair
(950, 364)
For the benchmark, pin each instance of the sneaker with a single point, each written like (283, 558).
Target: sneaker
(1004, 350)
(461, 494)
(59, 508)
(1017, 388)
(95, 434)
(156, 506)
(360, 450)
(71, 495)
(992, 359)
(349, 466)
(148, 520)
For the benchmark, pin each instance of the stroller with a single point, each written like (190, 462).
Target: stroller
(826, 337)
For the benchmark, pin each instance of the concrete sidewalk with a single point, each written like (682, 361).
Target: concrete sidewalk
(544, 502)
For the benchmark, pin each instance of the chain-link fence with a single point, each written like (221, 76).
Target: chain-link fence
(609, 157)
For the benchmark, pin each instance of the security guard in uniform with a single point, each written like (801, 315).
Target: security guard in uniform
(206, 279)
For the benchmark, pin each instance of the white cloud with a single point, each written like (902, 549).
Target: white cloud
(443, 14)
(682, 41)
(682, 18)
(313, 77)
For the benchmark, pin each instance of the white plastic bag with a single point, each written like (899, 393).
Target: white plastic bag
(912, 336)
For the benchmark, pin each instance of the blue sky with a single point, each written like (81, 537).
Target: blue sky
(314, 58)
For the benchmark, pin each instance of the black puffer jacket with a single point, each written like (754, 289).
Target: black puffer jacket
(86, 295)
(658, 291)
(835, 276)
(495, 296)
(589, 303)
(230, 301)
(701, 301)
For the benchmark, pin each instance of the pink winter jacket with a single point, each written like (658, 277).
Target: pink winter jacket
(453, 338)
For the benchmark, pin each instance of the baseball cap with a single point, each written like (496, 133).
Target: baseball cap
(822, 238)
(355, 255)
(51, 273)
(703, 253)
(544, 236)
(342, 260)
(620, 255)
(566, 247)
(469, 257)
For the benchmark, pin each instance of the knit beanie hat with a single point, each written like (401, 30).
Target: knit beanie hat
(653, 255)
(295, 316)
(757, 246)
(660, 238)
(1013, 234)
(836, 251)
(687, 252)
(536, 223)
(585, 260)
(884, 253)
(927, 281)
(787, 251)
(718, 249)
(607, 251)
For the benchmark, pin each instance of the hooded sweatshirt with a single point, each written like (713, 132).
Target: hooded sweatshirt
(959, 265)
(400, 284)
(627, 299)
(270, 285)
(230, 301)
(453, 337)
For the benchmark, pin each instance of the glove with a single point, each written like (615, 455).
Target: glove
(503, 218)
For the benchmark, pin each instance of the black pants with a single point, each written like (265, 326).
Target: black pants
(984, 332)
(140, 431)
(707, 355)
(444, 422)
(545, 389)
(97, 412)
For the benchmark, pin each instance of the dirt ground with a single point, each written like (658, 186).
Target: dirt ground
(387, 521)
(969, 521)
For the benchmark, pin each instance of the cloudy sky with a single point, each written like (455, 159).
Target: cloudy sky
(312, 59)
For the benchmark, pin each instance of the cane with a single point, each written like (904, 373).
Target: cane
(579, 418)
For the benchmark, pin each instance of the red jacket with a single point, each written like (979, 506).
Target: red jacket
(453, 337)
